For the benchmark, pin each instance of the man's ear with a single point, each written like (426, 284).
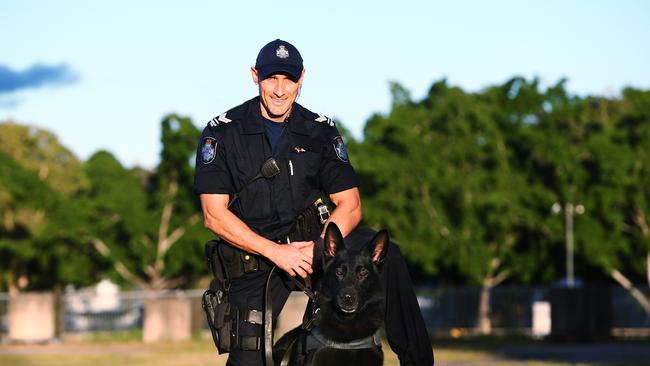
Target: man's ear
(302, 77)
(255, 75)
(379, 247)
(333, 241)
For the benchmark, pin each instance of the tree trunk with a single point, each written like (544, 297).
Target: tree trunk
(633, 291)
(648, 268)
(484, 322)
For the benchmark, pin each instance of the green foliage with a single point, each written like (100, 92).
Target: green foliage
(146, 224)
(38, 245)
(465, 182)
(38, 150)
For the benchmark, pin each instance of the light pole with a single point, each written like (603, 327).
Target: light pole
(569, 211)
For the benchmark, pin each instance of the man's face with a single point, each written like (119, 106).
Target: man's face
(277, 94)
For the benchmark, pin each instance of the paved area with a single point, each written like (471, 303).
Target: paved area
(609, 353)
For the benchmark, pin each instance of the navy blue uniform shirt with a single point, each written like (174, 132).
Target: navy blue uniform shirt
(310, 152)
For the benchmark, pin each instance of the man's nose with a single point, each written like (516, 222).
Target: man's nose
(279, 88)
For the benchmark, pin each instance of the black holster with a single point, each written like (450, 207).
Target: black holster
(216, 306)
(219, 317)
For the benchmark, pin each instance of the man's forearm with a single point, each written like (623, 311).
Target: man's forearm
(347, 213)
(230, 228)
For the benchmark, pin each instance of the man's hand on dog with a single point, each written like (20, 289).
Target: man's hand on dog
(294, 258)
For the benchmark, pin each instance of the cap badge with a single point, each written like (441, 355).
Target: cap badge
(282, 52)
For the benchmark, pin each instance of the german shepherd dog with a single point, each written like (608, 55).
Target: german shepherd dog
(349, 306)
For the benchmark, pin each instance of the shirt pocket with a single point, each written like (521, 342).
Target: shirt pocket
(303, 175)
(254, 196)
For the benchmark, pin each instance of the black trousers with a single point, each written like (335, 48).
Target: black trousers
(405, 329)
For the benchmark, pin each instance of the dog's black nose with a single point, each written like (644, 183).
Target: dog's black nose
(347, 301)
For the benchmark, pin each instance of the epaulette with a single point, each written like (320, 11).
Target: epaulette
(316, 117)
(228, 116)
(324, 119)
(219, 119)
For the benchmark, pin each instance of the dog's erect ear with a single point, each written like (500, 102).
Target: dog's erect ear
(379, 247)
(333, 240)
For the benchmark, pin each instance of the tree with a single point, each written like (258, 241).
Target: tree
(38, 245)
(623, 194)
(441, 176)
(148, 227)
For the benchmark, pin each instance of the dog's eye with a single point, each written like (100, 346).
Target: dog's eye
(363, 273)
(340, 272)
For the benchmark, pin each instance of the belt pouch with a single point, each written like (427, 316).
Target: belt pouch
(231, 259)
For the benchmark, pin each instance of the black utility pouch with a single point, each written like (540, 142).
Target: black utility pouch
(218, 315)
(231, 259)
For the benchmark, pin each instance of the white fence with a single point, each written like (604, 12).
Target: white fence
(88, 311)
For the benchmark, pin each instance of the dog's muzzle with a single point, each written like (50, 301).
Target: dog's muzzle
(347, 300)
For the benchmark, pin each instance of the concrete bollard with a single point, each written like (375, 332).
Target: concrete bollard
(31, 317)
(167, 319)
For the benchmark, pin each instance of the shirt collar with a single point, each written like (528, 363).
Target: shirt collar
(255, 124)
(297, 124)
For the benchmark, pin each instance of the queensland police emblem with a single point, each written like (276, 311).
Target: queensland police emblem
(339, 147)
(208, 150)
(282, 52)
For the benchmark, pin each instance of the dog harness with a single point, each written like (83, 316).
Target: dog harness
(315, 341)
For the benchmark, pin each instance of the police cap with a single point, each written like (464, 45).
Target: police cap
(279, 57)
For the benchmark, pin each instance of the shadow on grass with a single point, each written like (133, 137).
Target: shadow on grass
(525, 350)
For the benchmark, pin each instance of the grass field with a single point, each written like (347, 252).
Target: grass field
(202, 353)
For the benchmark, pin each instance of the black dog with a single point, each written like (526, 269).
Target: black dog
(349, 305)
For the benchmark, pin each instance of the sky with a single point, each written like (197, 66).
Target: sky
(102, 74)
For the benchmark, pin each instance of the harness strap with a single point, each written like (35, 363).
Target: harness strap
(308, 324)
(268, 321)
(316, 339)
(268, 315)
(304, 288)
(287, 354)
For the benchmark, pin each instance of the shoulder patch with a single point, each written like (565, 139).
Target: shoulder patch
(339, 148)
(324, 119)
(208, 150)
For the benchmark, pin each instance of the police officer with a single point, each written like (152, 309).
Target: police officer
(258, 217)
